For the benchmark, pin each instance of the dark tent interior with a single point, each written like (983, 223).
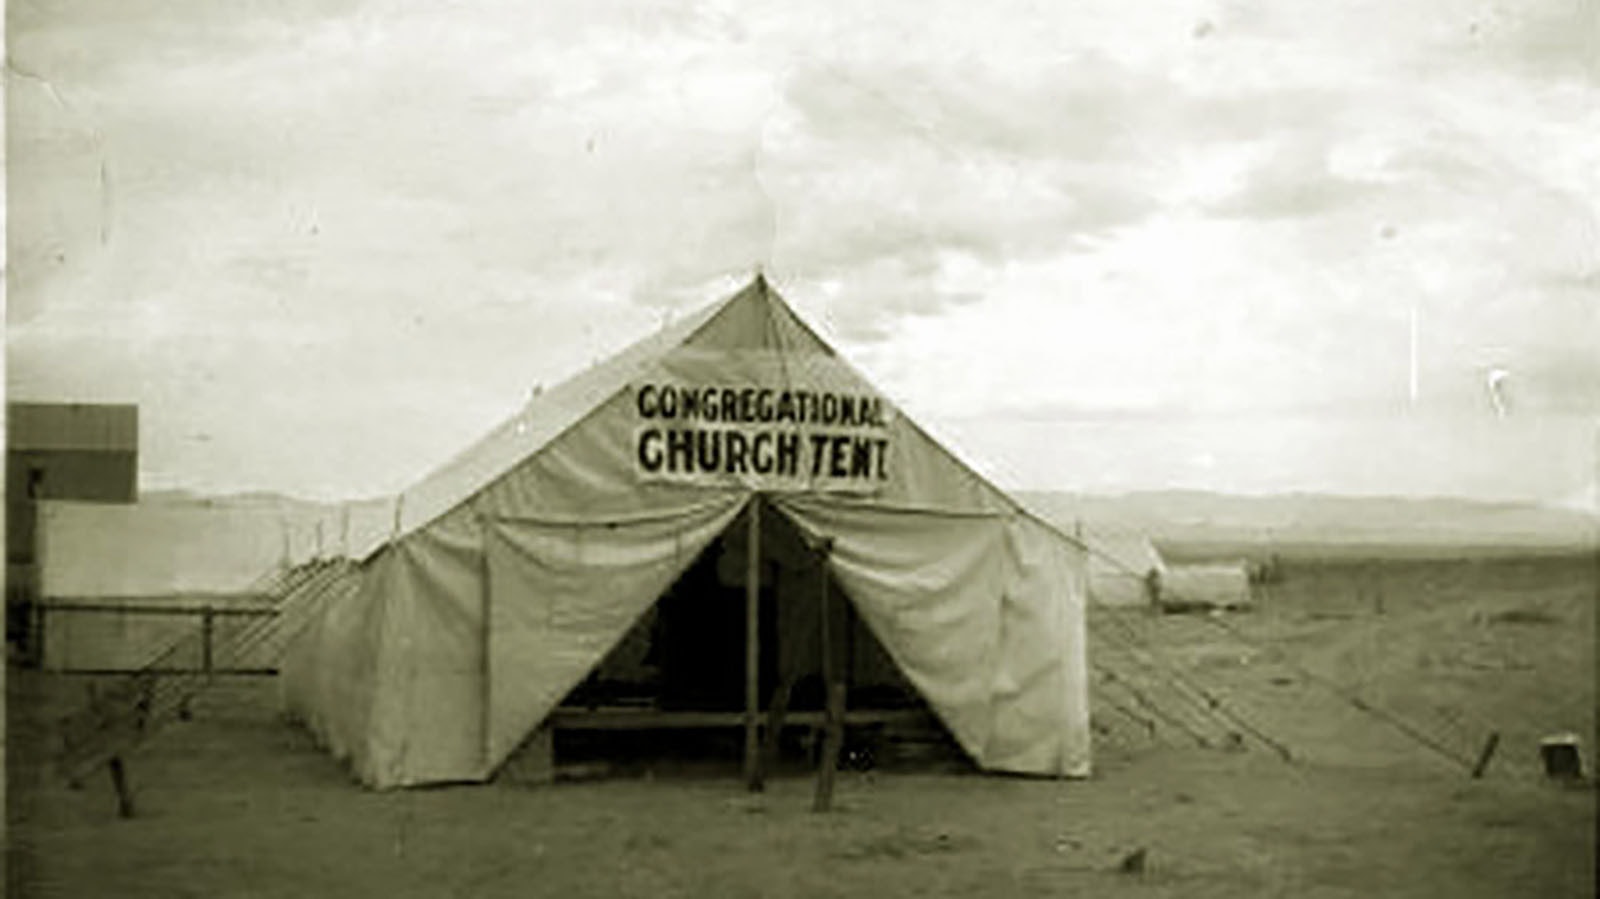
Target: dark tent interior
(674, 687)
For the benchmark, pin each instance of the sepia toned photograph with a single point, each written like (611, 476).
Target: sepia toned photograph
(884, 449)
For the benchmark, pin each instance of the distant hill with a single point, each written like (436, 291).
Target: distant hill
(176, 541)
(1185, 522)
(1201, 524)
(252, 500)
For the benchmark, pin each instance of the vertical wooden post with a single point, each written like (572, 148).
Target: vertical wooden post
(832, 744)
(833, 712)
(752, 646)
(851, 626)
(119, 782)
(207, 629)
(33, 649)
(772, 745)
(485, 666)
(822, 618)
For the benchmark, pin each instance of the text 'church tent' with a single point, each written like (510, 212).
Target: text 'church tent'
(518, 567)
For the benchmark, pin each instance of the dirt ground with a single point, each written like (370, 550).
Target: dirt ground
(236, 803)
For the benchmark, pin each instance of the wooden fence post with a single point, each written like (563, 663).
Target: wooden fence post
(207, 629)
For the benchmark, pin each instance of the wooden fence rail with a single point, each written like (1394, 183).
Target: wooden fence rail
(207, 643)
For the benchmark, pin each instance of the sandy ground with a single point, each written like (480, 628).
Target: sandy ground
(235, 803)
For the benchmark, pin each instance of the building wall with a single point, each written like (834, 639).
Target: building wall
(106, 476)
(77, 451)
(83, 475)
(72, 426)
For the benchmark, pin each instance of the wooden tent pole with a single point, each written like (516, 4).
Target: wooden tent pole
(486, 650)
(833, 693)
(752, 647)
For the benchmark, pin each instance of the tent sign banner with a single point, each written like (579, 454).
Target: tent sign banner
(778, 438)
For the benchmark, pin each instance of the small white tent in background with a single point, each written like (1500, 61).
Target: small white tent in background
(1206, 586)
(1121, 565)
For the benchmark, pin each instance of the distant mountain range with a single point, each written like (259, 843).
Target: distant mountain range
(258, 499)
(1200, 523)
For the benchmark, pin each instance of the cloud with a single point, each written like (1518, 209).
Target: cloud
(336, 220)
(1079, 106)
(1364, 454)
(872, 316)
(1551, 39)
(898, 165)
(1295, 181)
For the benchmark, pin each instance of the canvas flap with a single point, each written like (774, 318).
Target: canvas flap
(562, 594)
(929, 588)
(982, 612)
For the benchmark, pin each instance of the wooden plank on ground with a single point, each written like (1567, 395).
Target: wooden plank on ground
(637, 719)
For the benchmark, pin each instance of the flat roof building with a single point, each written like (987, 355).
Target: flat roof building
(77, 451)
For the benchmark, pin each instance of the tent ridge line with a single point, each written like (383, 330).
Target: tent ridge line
(634, 370)
(758, 282)
(710, 311)
(1017, 508)
(772, 295)
(643, 364)
(1005, 497)
(472, 498)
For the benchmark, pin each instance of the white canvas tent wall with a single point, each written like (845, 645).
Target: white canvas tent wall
(516, 567)
(1119, 565)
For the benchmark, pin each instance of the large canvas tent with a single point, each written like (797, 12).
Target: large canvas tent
(517, 568)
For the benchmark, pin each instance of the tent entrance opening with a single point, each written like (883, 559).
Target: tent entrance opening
(674, 685)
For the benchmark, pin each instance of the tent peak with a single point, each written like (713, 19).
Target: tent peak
(764, 288)
(760, 286)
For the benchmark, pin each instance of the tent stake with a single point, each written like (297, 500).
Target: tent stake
(752, 648)
(1485, 755)
(119, 782)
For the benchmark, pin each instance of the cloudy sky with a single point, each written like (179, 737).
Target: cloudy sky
(1250, 246)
